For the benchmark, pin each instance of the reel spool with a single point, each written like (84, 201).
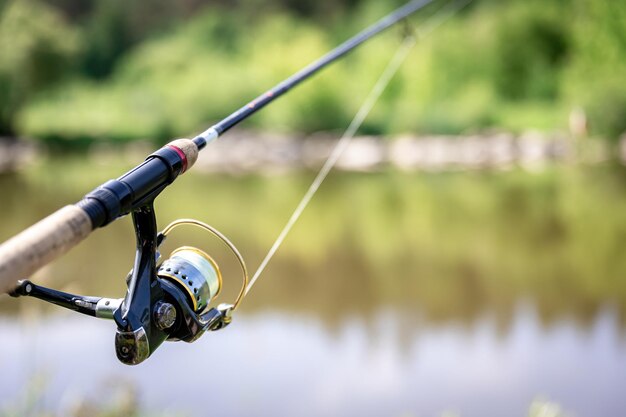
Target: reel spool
(196, 273)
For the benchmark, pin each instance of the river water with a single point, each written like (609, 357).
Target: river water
(397, 295)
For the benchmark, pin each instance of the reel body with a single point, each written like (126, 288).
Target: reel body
(164, 302)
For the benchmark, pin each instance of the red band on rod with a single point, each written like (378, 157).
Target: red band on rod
(182, 155)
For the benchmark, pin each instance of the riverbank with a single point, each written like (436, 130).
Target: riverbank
(259, 152)
(249, 152)
(15, 154)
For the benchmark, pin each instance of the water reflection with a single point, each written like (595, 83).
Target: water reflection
(272, 363)
(396, 294)
(450, 247)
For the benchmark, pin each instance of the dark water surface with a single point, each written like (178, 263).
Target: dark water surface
(396, 295)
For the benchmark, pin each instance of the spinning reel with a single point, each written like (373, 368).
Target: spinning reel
(165, 301)
(168, 300)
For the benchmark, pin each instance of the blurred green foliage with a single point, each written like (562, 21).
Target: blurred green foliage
(160, 69)
(596, 74)
(36, 47)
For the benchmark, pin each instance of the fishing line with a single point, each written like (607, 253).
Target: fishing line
(372, 98)
(341, 145)
(170, 299)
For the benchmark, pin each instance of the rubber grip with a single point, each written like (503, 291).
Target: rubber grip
(41, 243)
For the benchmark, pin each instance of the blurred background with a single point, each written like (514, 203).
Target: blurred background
(464, 260)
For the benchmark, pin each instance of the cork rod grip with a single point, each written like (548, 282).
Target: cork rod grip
(41, 243)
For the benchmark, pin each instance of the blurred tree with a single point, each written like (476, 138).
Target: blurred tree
(511, 64)
(315, 9)
(73, 10)
(530, 50)
(113, 27)
(36, 46)
(107, 37)
(596, 76)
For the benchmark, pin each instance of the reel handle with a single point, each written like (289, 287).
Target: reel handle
(100, 307)
(41, 243)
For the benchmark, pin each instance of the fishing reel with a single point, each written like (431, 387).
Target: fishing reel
(165, 301)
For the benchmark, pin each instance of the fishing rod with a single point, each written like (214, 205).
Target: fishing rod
(166, 300)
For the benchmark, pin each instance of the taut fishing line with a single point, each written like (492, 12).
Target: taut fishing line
(375, 93)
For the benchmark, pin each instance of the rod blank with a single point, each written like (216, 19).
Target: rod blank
(264, 99)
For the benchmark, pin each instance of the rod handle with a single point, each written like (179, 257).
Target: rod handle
(41, 243)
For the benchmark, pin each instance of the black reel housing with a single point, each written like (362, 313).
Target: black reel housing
(156, 308)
